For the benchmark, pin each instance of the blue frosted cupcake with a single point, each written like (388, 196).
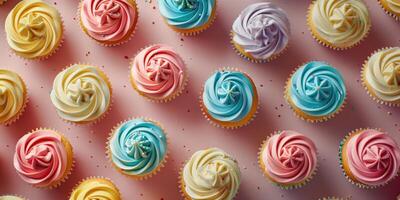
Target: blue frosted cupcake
(138, 148)
(188, 17)
(316, 91)
(229, 99)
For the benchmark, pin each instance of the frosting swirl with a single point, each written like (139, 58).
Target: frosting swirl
(12, 95)
(34, 29)
(289, 157)
(42, 158)
(10, 197)
(108, 20)
(373, 157)
(262, 30)
(138, 147)
(211, 174)
(158, 72)
(317, 89)
(96, 189)
(382, 74)
(228, 96)
(81, 93)
(342, 23)
(187, 14)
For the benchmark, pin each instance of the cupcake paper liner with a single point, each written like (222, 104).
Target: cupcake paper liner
(94, 177)
(349, 176)
(126, 39)
(22, 110)
(240, 52)
(387, 11)
(302, 115)
(137, 177)
(324, 42)
(262, 167)
(231, 125)
(154, 100)
(369, 90)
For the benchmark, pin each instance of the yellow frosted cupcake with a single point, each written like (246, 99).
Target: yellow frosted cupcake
(339, 24)
(81, 94)
(34, 29)
(381, 76)
(210, 174)
(11, 197)
(95, 188)
(13, 96)
(392, 7)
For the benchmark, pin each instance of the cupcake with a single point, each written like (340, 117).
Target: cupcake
(339, 24)
(316, 91)
(288, 159)
(43, 158)
(138, 148)
(392, 7)
(210, 174)
(34, 29)
(369, 158)
(261, 32)
(95, 188)
(11, 197)
(81, 94)
(158, 73)
(229, 99)
(109, 22)
(13, 96)
(188, 17)
(381, 76)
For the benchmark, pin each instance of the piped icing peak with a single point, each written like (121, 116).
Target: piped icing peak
(261, 30)
(81, 93)
(96, 188)
(317, 89)
(228, 95)
(138, 147)
(211, 174)
(289, 158)
(373, 157)
(34, 29)
(109, 20)
(12, 95)
(158, 72)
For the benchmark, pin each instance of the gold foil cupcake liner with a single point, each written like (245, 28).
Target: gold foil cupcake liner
(241, 52)
(262, 168)
(22, 109)
(367, 88)
(299, 113)
(137, 177)
(155, 100)
(94, 178)
(323, 42)
(124, 40)
(387, 10)
(232, 125)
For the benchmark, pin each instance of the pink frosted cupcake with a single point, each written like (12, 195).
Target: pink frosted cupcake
(109, 22)
(158, 73)
(288, 159)
(43, 158)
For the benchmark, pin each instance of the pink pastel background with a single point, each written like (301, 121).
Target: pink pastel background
(187, 129)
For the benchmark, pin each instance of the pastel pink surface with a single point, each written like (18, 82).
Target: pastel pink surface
(188, 131)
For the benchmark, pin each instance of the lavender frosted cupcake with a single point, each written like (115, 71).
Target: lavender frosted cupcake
(261, 32)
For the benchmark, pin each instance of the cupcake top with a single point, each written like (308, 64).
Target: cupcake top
(95, 188)
(289, 157)
(10, 197)
(317, 89)
(342, 23)
(12, 95)
(138, 147)
(158, 72)
(34, 29)
(382, 74)
(393, 6)
(81, 93)
(108, 20)
(228, 95)
(211, 174)
(262, 30)
(41, 157)
(187, 14)
(373, 157)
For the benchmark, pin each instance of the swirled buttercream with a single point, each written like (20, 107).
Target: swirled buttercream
(12, 95)
(95, 189)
